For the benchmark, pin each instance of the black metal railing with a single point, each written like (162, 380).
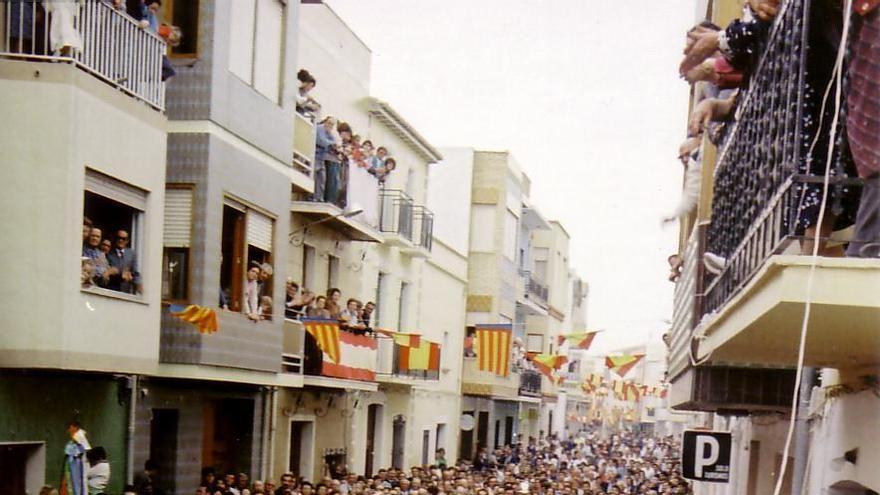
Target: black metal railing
(535, 289)
(423, 220)
(396, 213)
(530, 383)
(761, 177)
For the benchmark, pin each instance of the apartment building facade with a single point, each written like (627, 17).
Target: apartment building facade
(736, 334)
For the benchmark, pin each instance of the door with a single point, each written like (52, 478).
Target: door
(163, 445)
(508, 430)
(13, 468)
(550, 423)
(497, 432)
(373, 418)
(754, 466)
(227, 438)
(440, 436)
(426, 445)
(232, 256)
(482, 429)
(398, 440)
(466, 444)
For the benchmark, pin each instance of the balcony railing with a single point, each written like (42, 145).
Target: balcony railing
(423, 226)
(530, 383)
(758, 185)
(535, 290)
(396, 213)
(389, 362)
(115, 48)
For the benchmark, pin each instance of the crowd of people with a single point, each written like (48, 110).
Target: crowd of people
(337, 148)
(625, 463)
(720, 62)
(355, 316)
(33, 22)
(108, 263)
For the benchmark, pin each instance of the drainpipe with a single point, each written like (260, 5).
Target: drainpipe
(273, 424)
(802, 431)
(132, 412)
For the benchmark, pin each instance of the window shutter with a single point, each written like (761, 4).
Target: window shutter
(178, 217)
(259, 230)
(241, 39)
(118, 191)
(267, 48)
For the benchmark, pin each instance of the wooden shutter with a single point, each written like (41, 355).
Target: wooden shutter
(178, 217)
(259, 230)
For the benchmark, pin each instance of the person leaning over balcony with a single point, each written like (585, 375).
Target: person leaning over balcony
(252, 293)
(305, 104)
(385, 170)
(326, 145)
(738, 41)
(334, 302)
(319, 310)
(367, 315)
(377, 160)
(350, 317)
(863, 126)
(337, 174)
(263, 284)
(689, 156)
(64, 39)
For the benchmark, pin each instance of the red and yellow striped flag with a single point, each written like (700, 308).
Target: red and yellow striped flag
(326, 334)
(581, 340)
(202, 317)
(623, 364)
(424, 357)
(403, 339)
(492, 346)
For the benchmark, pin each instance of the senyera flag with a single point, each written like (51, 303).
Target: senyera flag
(204, 318)
(623, 364)
(493, 344)
(581, 340)
(326, 334)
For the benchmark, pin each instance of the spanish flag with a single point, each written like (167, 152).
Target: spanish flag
(402, 339)
(203, 318)
(581, 340)
(424, 357)
(493, 344)
(622, 364)
(326, 334)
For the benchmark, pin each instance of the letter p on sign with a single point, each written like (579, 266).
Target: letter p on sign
(705, 456)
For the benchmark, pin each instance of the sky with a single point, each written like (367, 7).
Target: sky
(584, 93)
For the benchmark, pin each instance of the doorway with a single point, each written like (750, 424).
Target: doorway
(466, 444)
(426, 445)
(497, 433)
(508, 430)
(163, 445)
(398, 441)
(374, 418)
(300, 448)
(227, 440)
(482, 429)
(22, 467)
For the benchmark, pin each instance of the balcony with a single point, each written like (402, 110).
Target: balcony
(396, 217)
(114, 47)
(530, 383)
(760, 294)
(240, 343)
(488, 384)
(389, 369)
(534, 294)
(351, 207)
(303, 154)
(423, 233)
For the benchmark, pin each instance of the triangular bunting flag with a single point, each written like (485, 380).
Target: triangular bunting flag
(623, 364)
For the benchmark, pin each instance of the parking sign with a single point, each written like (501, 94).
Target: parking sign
(705, 456)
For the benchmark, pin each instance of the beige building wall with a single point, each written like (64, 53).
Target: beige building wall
(48, 320)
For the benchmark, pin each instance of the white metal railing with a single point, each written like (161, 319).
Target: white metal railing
(113, 46)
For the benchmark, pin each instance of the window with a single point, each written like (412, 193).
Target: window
(308, 278)
(332, 271)
(112, 234)
(510, 227)
(403, 309)
(483, 228)
(185, 15)
(246, 240)
(380, 289)
(540, 257)
(256, 40)
(176, 243)
(534, 343)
